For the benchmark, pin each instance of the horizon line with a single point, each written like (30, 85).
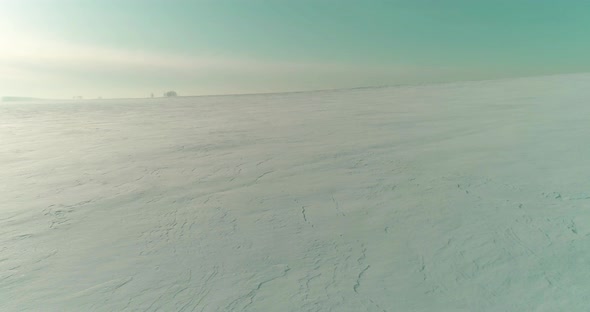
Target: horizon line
(33, 99)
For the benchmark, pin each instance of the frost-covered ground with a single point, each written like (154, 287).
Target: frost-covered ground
(455, 197)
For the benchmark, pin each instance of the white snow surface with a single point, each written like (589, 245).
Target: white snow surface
(467, 196)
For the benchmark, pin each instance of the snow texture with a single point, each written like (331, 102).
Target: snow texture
(454, 197)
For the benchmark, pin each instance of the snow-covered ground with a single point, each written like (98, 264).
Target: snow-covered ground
(454, 197)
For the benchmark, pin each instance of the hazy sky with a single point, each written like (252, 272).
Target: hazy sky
(130, 48)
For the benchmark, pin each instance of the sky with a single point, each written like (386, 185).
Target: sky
(132, 48)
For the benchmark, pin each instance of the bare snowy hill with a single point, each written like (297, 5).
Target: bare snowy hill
(455, 197)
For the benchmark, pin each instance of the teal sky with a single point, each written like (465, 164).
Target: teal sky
(131, 48)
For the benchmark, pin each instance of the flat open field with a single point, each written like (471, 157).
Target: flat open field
(467, 196)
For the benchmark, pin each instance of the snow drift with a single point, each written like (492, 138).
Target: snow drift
(455, 197)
